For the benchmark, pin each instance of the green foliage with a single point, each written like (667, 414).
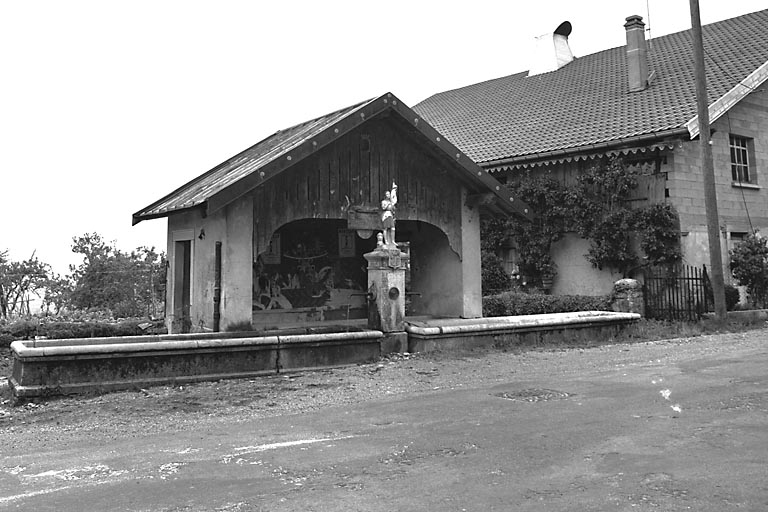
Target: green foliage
(243, 326)
(748, 265)
(28, 329)
(658, 227)
(611, 243)
(21, 329)
(597, 208)
(19, 280)
(494, 277)
(6, 340)
(127, 284)
(549, 201)
(731, 297)
(513, 303)
(493, 235)
(67, 330)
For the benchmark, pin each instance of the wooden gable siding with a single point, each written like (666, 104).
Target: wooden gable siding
(354, 172)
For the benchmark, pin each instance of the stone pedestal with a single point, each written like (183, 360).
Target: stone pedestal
(386, 289)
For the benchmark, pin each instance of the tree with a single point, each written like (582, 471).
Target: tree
(110, 279)
(58, 294)
(19, 281)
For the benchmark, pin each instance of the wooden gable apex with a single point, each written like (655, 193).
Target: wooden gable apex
(254, 169)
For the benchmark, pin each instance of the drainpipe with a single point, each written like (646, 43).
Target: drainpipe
(217, 290)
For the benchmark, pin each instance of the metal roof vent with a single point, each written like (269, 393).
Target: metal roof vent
(551, 51)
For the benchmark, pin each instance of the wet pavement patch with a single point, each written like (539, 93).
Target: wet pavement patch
(533, 395)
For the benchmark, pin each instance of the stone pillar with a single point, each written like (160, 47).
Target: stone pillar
(628, 297)
(386, 289)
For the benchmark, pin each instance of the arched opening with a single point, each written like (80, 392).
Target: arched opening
(314, 270)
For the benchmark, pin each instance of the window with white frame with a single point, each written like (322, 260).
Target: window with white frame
(740, 161)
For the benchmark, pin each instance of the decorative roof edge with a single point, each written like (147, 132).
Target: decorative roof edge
(532, 160)
(583, 157)
(729, 99)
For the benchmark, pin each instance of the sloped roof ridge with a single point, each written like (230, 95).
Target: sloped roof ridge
(587, 102)
(349, 110)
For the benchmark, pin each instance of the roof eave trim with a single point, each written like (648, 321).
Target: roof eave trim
(729, 99)
(138, 216)
(587, 148)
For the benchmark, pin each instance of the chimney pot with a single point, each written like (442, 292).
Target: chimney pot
(637, 54)
(552, 50)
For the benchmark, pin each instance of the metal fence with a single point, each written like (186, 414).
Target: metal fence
(677, 293)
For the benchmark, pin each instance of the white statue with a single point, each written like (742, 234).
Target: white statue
(388, 216)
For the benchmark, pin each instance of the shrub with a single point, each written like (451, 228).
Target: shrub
(731, 297)
(749, 264)
(513, 303)
(5, 340)
(244, 326)
(494, 277)
(69, 330)
(21, 329)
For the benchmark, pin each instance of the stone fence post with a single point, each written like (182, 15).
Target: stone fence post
(628, 297)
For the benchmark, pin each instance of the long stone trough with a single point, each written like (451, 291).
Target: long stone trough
(60, 367)
(507, 331)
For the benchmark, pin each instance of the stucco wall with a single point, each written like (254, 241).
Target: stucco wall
(576, 275)
(233, 227)
(436, 271)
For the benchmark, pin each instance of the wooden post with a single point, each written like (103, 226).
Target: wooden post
(705, 151)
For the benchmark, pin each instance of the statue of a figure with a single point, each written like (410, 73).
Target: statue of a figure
(388, 216)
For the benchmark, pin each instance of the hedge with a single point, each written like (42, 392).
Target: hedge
(24, 329)
(516, 303)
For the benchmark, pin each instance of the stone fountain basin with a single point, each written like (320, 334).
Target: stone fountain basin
(56, 367)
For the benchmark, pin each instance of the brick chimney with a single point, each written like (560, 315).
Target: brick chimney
(637, 54)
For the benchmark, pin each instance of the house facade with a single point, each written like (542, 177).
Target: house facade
(638, 103)
(277, 234)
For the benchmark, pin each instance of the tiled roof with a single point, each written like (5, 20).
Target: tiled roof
(587, 102)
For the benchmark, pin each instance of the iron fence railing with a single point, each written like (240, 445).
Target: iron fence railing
(680, 292)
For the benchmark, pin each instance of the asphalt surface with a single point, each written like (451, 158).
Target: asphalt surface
(674, 425)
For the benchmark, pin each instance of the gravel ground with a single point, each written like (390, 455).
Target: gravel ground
(166, 409)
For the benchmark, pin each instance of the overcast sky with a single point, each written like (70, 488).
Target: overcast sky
(108, 106)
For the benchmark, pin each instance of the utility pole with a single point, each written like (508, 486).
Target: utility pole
(707, 166)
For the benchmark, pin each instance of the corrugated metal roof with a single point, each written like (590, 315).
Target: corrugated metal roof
(587, 102)
(199, 190)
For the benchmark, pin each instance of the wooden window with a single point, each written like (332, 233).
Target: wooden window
(740, 161)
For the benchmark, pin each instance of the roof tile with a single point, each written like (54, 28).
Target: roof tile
(588, 102)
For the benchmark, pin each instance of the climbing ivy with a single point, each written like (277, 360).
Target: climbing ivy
(597, 208)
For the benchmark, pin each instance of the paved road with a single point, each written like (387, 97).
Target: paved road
(670, 428)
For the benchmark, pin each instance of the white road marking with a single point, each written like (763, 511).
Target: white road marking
(285, 444)
(244, 450)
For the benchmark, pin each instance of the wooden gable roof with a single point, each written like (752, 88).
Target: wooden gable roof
(266, 159)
